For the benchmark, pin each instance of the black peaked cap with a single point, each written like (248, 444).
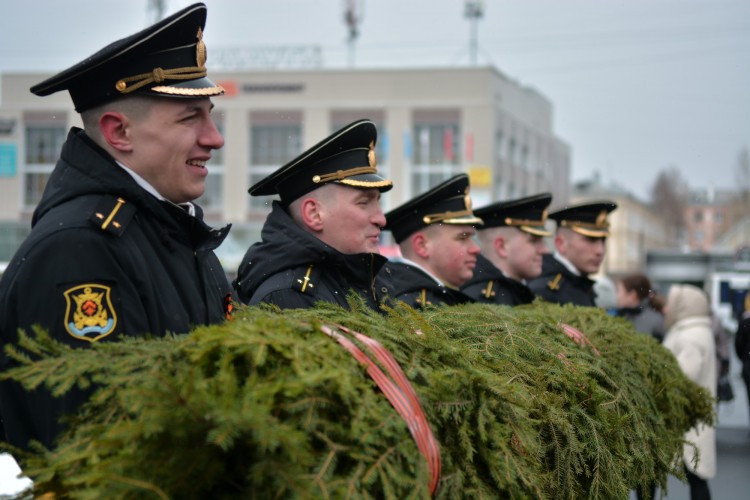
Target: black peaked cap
(528, 214)
(446, 203)
(166, 59)
(346, 157)
(588, 219)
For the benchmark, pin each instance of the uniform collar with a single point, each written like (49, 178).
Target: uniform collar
(404, 260)
(188, 207)
(568, 265)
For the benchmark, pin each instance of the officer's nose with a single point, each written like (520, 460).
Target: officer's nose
(378, 218)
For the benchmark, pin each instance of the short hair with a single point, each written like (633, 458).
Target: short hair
(134, 106)
(487, 236)
(324, 193)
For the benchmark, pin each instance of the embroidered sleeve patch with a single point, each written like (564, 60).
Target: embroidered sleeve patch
(89, 314)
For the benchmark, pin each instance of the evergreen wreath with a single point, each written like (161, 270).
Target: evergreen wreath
(536, 401)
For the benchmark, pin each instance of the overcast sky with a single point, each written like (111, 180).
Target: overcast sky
(636, 85)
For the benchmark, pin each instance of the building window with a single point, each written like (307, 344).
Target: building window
(44, 137)
(719, 218)
(437, 154)
(499, 188)
(512, 151)
(525, 157)
(698, 216)
(275, 138)
(211, 201)
(499, 145)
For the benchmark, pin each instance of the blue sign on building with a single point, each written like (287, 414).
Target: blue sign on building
(8, 159)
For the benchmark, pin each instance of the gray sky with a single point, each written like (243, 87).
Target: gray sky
(636, 85)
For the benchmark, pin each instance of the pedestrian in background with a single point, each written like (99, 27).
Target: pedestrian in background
(691, 340)
(722, 340)
(637, 302)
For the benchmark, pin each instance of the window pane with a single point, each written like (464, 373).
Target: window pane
(274, 144)
(43, 144)
(436, 147)
(271, 146)
(44, 139)
(212, 196)
(436, 144)
(34, 188)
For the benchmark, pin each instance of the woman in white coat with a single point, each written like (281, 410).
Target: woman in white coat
(690, 338)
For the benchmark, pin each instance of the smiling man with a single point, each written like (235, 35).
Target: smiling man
(117, 248)
(435, 232)
(320, 241)
(580, 245)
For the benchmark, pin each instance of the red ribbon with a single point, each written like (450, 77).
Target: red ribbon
(400, 394)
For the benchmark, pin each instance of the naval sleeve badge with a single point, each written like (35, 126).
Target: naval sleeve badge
(89, 314)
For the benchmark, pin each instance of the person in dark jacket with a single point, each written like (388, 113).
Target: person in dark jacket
(435, 234)
(742, 344)
(320, 241)
(512, 243)
(117, 248)
(580, 244)
(635, 301)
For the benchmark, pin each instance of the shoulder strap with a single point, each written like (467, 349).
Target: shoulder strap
(488, 292)
(305, 282)
(554, 284)
(112, 214)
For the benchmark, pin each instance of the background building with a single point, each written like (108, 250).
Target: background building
(708, 215)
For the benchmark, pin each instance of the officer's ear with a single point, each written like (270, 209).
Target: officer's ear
(561, 243)
(311, 214)
(500, 246)
(420, 243)
(114, 127)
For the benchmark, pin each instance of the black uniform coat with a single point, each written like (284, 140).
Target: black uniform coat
(558, 284)
(104, 259)
(291, 268)
(742, 348)
(417, 288)
(490, 286)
